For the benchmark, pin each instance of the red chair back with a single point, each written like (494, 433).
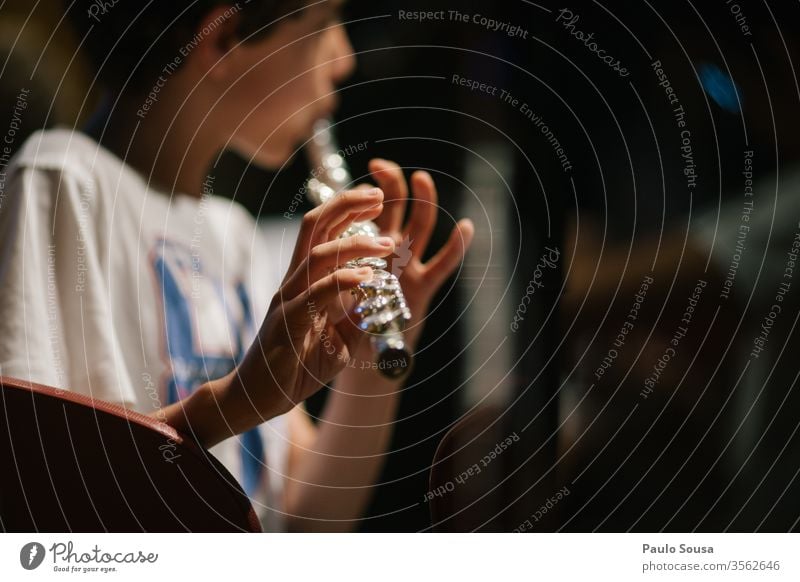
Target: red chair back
(69, 463)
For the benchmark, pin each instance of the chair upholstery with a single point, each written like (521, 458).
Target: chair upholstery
(477, 484)
(69, 463)
(473, 503)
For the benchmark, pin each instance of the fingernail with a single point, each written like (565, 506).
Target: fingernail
(385, 241)
(364, 270)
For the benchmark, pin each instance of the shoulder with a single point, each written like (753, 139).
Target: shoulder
(60, 150)
(231, 217)
(230, 211)
(66, 166)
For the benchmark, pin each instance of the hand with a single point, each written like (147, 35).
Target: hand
(304, 340)
(420, 281)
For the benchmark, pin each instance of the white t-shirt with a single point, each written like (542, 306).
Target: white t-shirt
(124, 293)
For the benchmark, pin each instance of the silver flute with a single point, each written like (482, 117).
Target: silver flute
(381, 309)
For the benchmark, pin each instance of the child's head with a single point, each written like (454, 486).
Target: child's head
(261, 71)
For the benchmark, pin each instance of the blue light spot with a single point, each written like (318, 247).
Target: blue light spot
(720, 87)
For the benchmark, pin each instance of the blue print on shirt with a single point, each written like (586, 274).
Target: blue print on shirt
(183, 286)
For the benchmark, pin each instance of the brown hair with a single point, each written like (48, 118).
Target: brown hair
(129, 42)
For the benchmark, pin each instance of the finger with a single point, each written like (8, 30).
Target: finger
(309, 310)
(444, 262)
(325, 293)
(369, 214)
(342, 308)
(327, 256)
(423, 213)
(337, 229)
(317, 222)
(337, 344)
(391, 180)
(351, 334)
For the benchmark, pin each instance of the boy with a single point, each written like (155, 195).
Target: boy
(125, 277)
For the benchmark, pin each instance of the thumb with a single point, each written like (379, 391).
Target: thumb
(351, 334)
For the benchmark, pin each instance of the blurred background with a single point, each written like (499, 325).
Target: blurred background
(606, 358)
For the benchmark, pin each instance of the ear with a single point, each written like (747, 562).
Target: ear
(215, 37)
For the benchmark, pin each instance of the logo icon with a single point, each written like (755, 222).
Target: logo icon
(402, 252)
(31, 555)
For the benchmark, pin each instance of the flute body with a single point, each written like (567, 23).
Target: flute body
(381, 309)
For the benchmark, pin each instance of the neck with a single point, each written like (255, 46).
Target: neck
(173, 147)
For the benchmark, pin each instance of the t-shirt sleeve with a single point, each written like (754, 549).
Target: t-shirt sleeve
(56, 325)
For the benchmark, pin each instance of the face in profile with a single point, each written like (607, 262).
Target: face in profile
(279, 85)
